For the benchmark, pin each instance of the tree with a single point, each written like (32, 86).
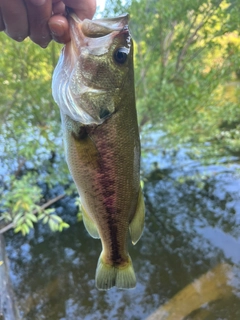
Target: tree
(186, 74)
(31, 148)
(187, 58)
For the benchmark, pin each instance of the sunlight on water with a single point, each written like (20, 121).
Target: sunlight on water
(191, 234)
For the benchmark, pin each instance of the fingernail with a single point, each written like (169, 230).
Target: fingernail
(56, 29)
(44, 45)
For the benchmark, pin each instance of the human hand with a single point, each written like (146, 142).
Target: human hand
(41, 20)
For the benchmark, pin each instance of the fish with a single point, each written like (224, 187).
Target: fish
(93, 85)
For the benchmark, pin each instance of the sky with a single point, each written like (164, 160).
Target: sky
(101, 3)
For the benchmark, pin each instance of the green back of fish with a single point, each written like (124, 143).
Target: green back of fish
(104, 157)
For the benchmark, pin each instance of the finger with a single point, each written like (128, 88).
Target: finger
(14, 18)
(58, 8)
(84, 9)
(2, 26)
(59, 28)
(39, 12)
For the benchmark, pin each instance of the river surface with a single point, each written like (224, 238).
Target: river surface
(192, 226)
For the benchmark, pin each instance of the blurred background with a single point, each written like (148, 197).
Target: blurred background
(187, 82)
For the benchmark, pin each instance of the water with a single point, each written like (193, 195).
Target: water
(192, 226)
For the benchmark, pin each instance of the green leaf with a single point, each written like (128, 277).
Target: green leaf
(17, 217)
(18, 229)
(31, 216)
(53, 226)
(41, 216)
(25, 229)
(56, 218)
(45, 219)
(20, 221)
(65, 225)
(29, 223)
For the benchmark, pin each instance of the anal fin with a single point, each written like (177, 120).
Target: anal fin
(137, 223)
(90, 225)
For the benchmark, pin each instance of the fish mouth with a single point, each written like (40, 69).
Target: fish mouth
(102, 27)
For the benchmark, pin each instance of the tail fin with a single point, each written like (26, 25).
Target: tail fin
(108, 276)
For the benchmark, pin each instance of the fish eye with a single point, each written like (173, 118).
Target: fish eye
(120, 55)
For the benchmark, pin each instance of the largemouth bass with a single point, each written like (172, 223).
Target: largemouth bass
(93, 84)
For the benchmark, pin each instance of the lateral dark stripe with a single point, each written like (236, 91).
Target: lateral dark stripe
(108, 182)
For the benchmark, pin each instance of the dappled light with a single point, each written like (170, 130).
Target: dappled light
(187, 84)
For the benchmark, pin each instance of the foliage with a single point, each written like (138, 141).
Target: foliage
(31, 152)
(78, 205)
(19, 205)
(187, 57)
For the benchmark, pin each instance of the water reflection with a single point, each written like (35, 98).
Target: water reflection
(192, 226)
(195, 299)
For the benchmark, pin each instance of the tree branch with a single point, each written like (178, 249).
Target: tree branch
(192, 35)
(44, 206)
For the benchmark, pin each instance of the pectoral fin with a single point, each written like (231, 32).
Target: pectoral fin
(90, 225)
(137, 223)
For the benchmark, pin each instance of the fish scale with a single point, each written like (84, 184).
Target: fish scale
(101, 139)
